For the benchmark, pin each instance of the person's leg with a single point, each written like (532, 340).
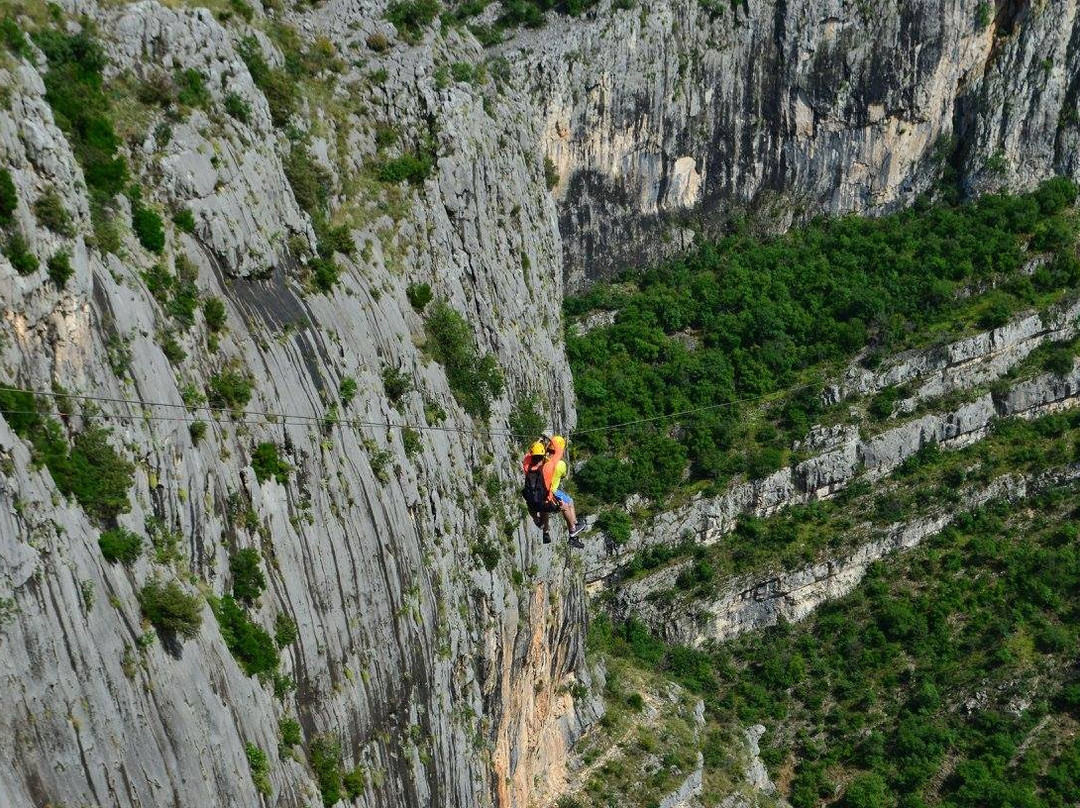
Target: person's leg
(544, 524)
(569, 516)
(566, 505)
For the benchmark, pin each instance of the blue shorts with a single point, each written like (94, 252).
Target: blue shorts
(563, 498)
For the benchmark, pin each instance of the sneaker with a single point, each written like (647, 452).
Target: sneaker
(579, 528)
(547, 537)
(577, 544)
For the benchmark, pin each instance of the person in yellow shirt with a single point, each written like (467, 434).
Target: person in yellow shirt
(544, 474)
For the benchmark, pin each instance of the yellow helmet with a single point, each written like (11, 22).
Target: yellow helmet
(559, 442)
(538, 450)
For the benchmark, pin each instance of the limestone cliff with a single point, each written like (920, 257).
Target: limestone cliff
(436, 640)
(678, 117)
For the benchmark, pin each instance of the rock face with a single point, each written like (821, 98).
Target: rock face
(961, 365)
(436, 639)
(672, 119)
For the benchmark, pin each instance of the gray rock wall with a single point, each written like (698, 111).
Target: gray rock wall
(447, 683)
(671, 118)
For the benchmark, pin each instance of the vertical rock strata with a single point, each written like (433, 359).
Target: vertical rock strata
(446, 682)
(672, 119)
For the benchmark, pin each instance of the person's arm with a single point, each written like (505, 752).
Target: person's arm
(557, 476)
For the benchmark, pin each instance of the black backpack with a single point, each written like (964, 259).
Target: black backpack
(535, 491)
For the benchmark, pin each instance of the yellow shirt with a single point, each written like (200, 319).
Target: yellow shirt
(560, 472)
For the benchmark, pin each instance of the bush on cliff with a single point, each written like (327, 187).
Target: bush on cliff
(170, 609)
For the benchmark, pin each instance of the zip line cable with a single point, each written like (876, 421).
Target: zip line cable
(733, 402)
(250, 416)
(259, 417)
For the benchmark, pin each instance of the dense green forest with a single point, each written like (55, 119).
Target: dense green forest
(948, 677)
(771, 319)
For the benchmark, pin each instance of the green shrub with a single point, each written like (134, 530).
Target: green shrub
(867, 791)
(474, 380)
(180, 294)
(386, 134)
(214, 313)
(347, 390)
(184, 219)
(551, 174)
(419, 295)
(410, 440)
(120, 544)
(147, 223)
(882, 404)
(411, 17)
(1060, 360)
(260, 768)
(197, 430)
(525, 418)
(244, 9)
(13, 37)
(276, 84)
(18, 253)
(1055, 195)
(486, 553)
(165, 540)
(285, 631)
(764, 462)
(289, 728)
(170, 609)
(396, 383)
(355, 782)
(248, 642)
(324, 274)
(81, 107)
(237, 107)
(229, 389)
(463, 72)
(93, 473)
(9, 196)
(248, 579)
(191, 89)
(996, 312)
(267, 463)
(60, 269)
(616, 524)
(172, 349)
(185, 292)
(324, 753)
(159, 282)
(50, 212)
(310, 181)
(333, 239)
(409, 167)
